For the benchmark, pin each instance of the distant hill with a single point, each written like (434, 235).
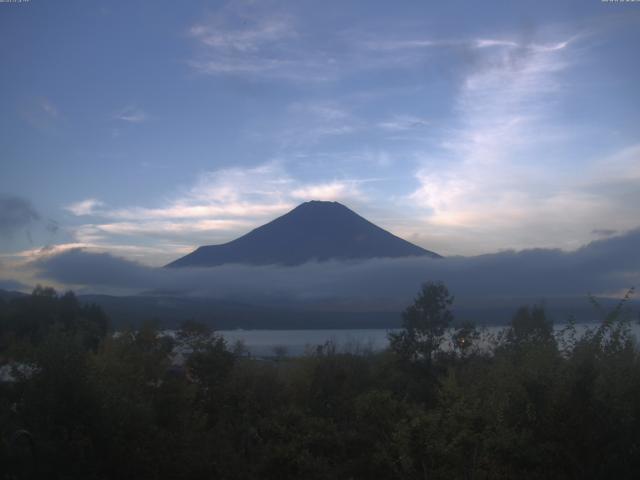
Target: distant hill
(8, 295)
(170, 311)
(313, 231)
(225, 315)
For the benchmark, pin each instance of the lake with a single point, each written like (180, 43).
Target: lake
(266, 343)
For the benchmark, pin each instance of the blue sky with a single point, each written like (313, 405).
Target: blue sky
(146, 128)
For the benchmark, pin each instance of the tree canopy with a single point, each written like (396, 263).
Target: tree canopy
(532, 402)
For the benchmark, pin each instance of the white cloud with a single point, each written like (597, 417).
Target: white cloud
(487, 180)
(257, 42)
(263, 184)
(501, 106)
(184, 210)
(132, 114)
(399, 123)
(243, 38)
(90, 206)
(336, 190)
(394, 45)
(164, 228)
(323, 111)
(493, 184)
(269, 45)
(489, 42)
(247, 43)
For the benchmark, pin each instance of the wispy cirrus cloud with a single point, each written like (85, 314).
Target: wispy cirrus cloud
(42, 113)
(219, 203)
(132, 114)
(622, 166)
(485, 177)
(400, 123)
(168, 228)
(404, 44)
(235, 42)
(309, 123)
(220, 35)
(257, 41)
(491, 181)
(278, 45)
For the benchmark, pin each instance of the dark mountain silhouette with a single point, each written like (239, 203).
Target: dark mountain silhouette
(314, 230)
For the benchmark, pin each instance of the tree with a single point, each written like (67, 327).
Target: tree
(464, 337)
(424, 324)
(530, 326)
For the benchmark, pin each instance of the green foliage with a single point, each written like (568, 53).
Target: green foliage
(465, 338)
(31, 318)
(530, 326)
(530, 404)
(424, 324)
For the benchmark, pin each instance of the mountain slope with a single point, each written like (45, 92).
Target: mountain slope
(314, 230)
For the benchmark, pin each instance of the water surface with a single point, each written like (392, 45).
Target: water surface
(265, 343)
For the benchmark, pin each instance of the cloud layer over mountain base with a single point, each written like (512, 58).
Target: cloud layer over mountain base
(608, 266)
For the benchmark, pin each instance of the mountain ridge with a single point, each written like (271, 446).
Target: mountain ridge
(313, 231)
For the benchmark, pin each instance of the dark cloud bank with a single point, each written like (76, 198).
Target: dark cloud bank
(16, 213)
(19, 217)
(604, 266)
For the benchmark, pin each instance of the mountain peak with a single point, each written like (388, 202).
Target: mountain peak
(326, 203)
(320, 205)
(321, 208)
(312, 231)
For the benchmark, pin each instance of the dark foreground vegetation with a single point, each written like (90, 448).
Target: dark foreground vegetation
(77, 401)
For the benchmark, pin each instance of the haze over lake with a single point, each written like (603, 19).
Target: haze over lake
(269, 343)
